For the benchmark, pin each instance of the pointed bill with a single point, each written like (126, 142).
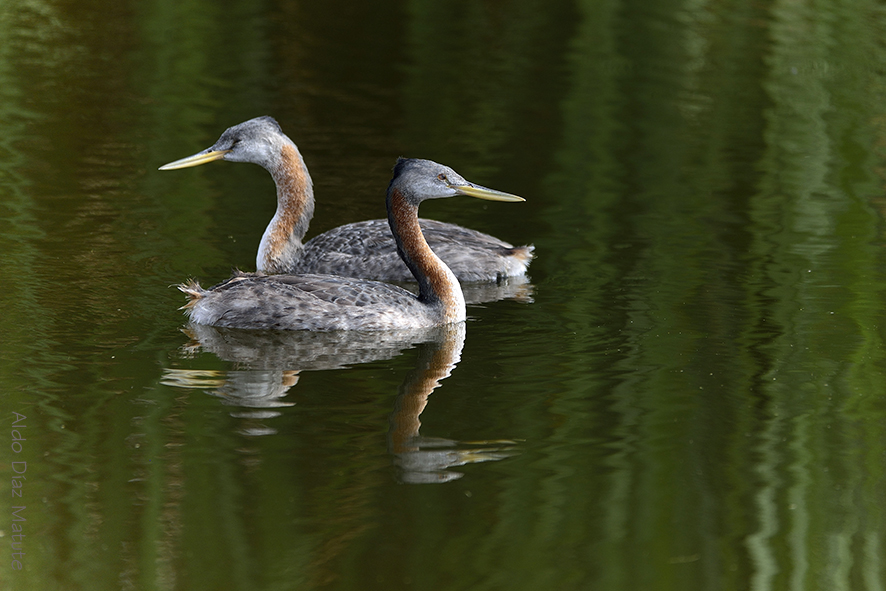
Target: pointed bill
(196, 160)
(484, 193)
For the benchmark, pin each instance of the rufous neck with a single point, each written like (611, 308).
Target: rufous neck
(281, 243)
(436, 282)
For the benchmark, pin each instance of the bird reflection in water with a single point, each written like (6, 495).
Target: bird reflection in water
(423, 460)
(259, 385)
(269, 363)
(256, 393)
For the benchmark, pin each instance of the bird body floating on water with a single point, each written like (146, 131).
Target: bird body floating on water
(330, 302)
(362, 249)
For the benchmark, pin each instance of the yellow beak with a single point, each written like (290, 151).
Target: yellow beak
(195, 160)
(484, 193)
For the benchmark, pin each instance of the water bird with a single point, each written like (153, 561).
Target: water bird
(362, 249)
(330, 302)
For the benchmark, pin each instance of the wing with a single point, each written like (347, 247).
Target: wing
(367, 250)
(307, 302)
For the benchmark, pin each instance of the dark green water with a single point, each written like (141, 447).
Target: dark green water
(694, 399)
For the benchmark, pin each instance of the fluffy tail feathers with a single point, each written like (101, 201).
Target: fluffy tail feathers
(192, 289)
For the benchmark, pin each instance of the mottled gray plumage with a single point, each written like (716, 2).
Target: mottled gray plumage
(328, 302)
(308, 302)
(363, 249)
(367, 249)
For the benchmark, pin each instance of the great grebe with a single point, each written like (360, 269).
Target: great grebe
(330, 302)
(362, 249)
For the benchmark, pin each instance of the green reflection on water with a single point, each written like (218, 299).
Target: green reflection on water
(693, 400)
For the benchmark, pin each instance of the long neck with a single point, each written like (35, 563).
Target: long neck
(281, 243)
(437, 285)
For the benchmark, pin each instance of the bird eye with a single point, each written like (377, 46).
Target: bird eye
(441, 177)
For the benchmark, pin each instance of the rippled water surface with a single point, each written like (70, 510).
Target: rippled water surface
(689, 393)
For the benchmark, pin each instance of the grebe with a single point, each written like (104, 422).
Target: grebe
(330, 302)
(363, 249)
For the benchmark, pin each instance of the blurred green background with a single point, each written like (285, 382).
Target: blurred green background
(693, 400)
